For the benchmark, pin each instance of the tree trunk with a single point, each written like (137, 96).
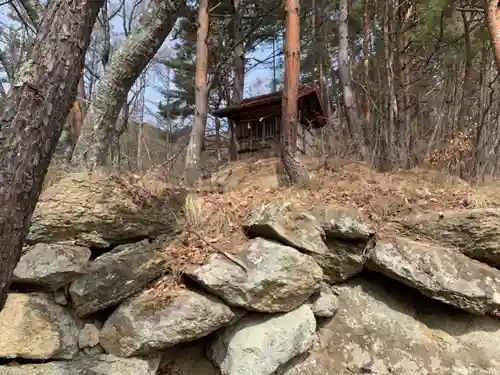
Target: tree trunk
(322, 51)
(195, 147)
(120, 128)
(345, 79)
(493, 21)
(466, 92)
(31, 124)
(72, 126)
(239, 70)
(123, 69)
(404, 13)
(367, 115)
(296, 172)
(388, 142)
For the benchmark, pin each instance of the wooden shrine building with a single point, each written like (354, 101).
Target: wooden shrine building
(257, 121)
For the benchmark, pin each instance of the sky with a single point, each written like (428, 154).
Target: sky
(257, 80)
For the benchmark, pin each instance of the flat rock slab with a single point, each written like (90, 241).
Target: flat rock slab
(115, 276)
(32, 326)
(51, 266)
(99, 365)
(279, 278)
(388, 329)
(149, 322)
(288, 224)
(98, 207)
(474, 232)
(258, 344)
(439, 273)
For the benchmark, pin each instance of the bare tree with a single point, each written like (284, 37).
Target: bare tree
(493, 21)
(193, 154)
(345, 76)
(33, 119)
(295, 170)
(367, 116)
(239, 70)
(124, 67)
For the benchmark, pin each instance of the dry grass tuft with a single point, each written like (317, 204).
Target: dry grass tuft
(161, 293)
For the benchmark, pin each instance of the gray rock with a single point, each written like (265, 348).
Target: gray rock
(99, 365)
(340, 253)
(60, 297)
(474, 232)
(344, 223)
(89, 336)
(105, 206)
(279, 278)
(51, 266)
(440, 273)
(342, 261)
(259, 344)
(91, 239)
(288, 224)
(32, 326)
(348, 237)
(116, 275)
(385, 330)
(150, 322)
(323, 303)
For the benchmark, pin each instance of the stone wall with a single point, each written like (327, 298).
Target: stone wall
(313, 292)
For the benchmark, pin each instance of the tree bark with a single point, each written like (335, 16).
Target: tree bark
(239, 71)
(345, 78)
(123, 69)
(493, 21)
(31, 124)
(72, 127)
(404, 14)
(120, 128)
(388, 140)
(323, 57)
(195, 147)
(367, 115)
(466, 91)
(296, 172)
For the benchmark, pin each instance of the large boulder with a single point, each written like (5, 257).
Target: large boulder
(344, 223)
(439, 273)
(117, 275)
(32, 326)
(474, 232)
(288, 224)
(391, 330)
(103, 205)
(259, 344)
(335, 237)
(151, 322)
(51, 266)
(278, 278)
(98, 365)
